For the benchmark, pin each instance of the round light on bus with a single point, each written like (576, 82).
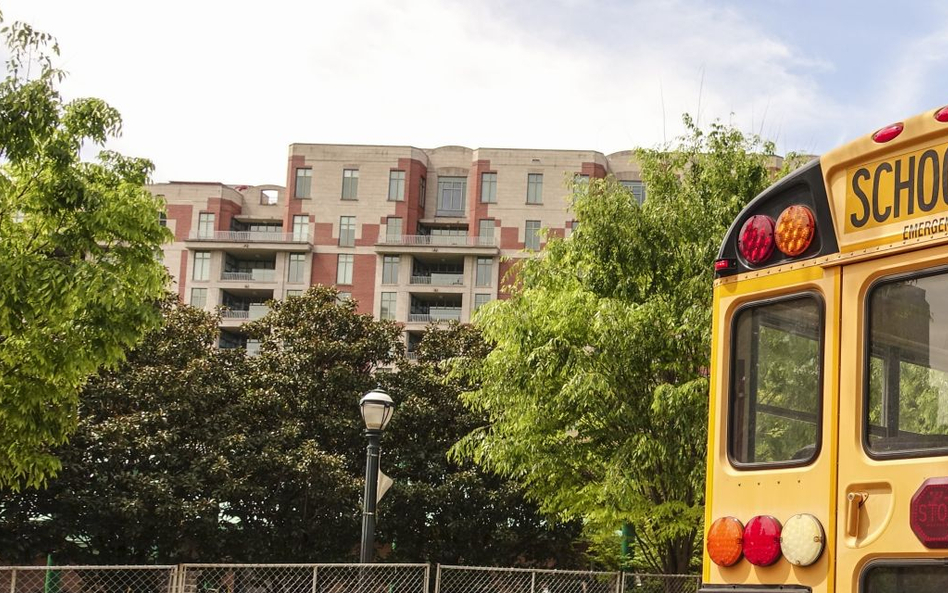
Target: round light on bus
(762, 540)
(942, 114)
(802, 539)
(794, 231)
(756, 241)
(725, 538)
(887, 133)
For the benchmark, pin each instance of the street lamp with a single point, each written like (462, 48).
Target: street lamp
(377, 408)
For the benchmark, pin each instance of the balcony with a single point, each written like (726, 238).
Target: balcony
(247, 237)
(436, 243)
(237, 316)
(438, 240)
(436, 314)
(436, 279)
(253, 239)
(254, 275)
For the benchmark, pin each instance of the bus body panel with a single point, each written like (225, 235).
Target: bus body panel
(882, 527)
(749, 492)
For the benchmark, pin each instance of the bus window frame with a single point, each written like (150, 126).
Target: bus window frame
(867, 355)
(897, 562)
(731, 408)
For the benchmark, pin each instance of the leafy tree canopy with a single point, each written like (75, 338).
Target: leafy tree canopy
(188, 453)
(596, 389)
(80, 261)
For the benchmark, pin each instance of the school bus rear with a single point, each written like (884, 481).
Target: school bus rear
(828, 425)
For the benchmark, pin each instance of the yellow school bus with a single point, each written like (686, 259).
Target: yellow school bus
(828, 424)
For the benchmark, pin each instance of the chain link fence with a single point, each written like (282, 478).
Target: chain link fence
(303, 578)
(330, 578)
(659, 583)
(88, 579)
(468, 579)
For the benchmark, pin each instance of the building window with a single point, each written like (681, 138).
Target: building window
(485, 231)
(344, 268)
(202, 265)
(484, 270)
(531, 237)
(422, 190)
(451, 191)
(571, 226)
(350, 184)
(294, 292)
(489, 188)
(637, 188)
(343, 296)
(393, 230)
(390, 265)
(535, 188)
(162, 219)
(300, 227)
(347, 231)
(304, 183)
(206, 225)
(396, 186)
(294, 269)
(199, 297)
(387, 310)
(480, 300)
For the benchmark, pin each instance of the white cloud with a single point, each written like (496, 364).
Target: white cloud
(217, 90)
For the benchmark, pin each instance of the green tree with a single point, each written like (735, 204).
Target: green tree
(596, 389)
(451, 512)
(80, 261)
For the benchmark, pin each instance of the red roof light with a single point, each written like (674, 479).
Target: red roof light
(888, 133)
(942, 114)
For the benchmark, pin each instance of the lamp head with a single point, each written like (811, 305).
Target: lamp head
(377, 408)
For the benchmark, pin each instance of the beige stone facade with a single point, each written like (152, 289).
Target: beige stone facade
(413, 235)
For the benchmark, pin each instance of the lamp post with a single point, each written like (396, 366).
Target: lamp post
(377, 408)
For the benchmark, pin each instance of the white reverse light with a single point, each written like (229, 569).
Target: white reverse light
(802, 540)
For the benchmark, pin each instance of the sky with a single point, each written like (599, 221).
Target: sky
(217, 91)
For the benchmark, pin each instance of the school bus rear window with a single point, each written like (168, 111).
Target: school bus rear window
(907, 408)
(915, 577)
(775, 383)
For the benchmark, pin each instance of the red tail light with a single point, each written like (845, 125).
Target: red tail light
(762, 540)
(756, 241)
(887, 133)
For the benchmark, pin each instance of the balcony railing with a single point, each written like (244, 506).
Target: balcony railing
(438, 240)
(449, 212)
(249, 236)
(235, 314)
(411, 355)
(439, 280)
(255, 275)
(255, 311)
(436, 314)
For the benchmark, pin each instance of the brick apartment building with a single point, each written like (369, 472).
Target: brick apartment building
(413, 235)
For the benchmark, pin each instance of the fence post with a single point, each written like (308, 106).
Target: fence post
(438, 579)
(13, 581)
(427, 585)
(621, 584)
(315, 574)
(533, 581)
